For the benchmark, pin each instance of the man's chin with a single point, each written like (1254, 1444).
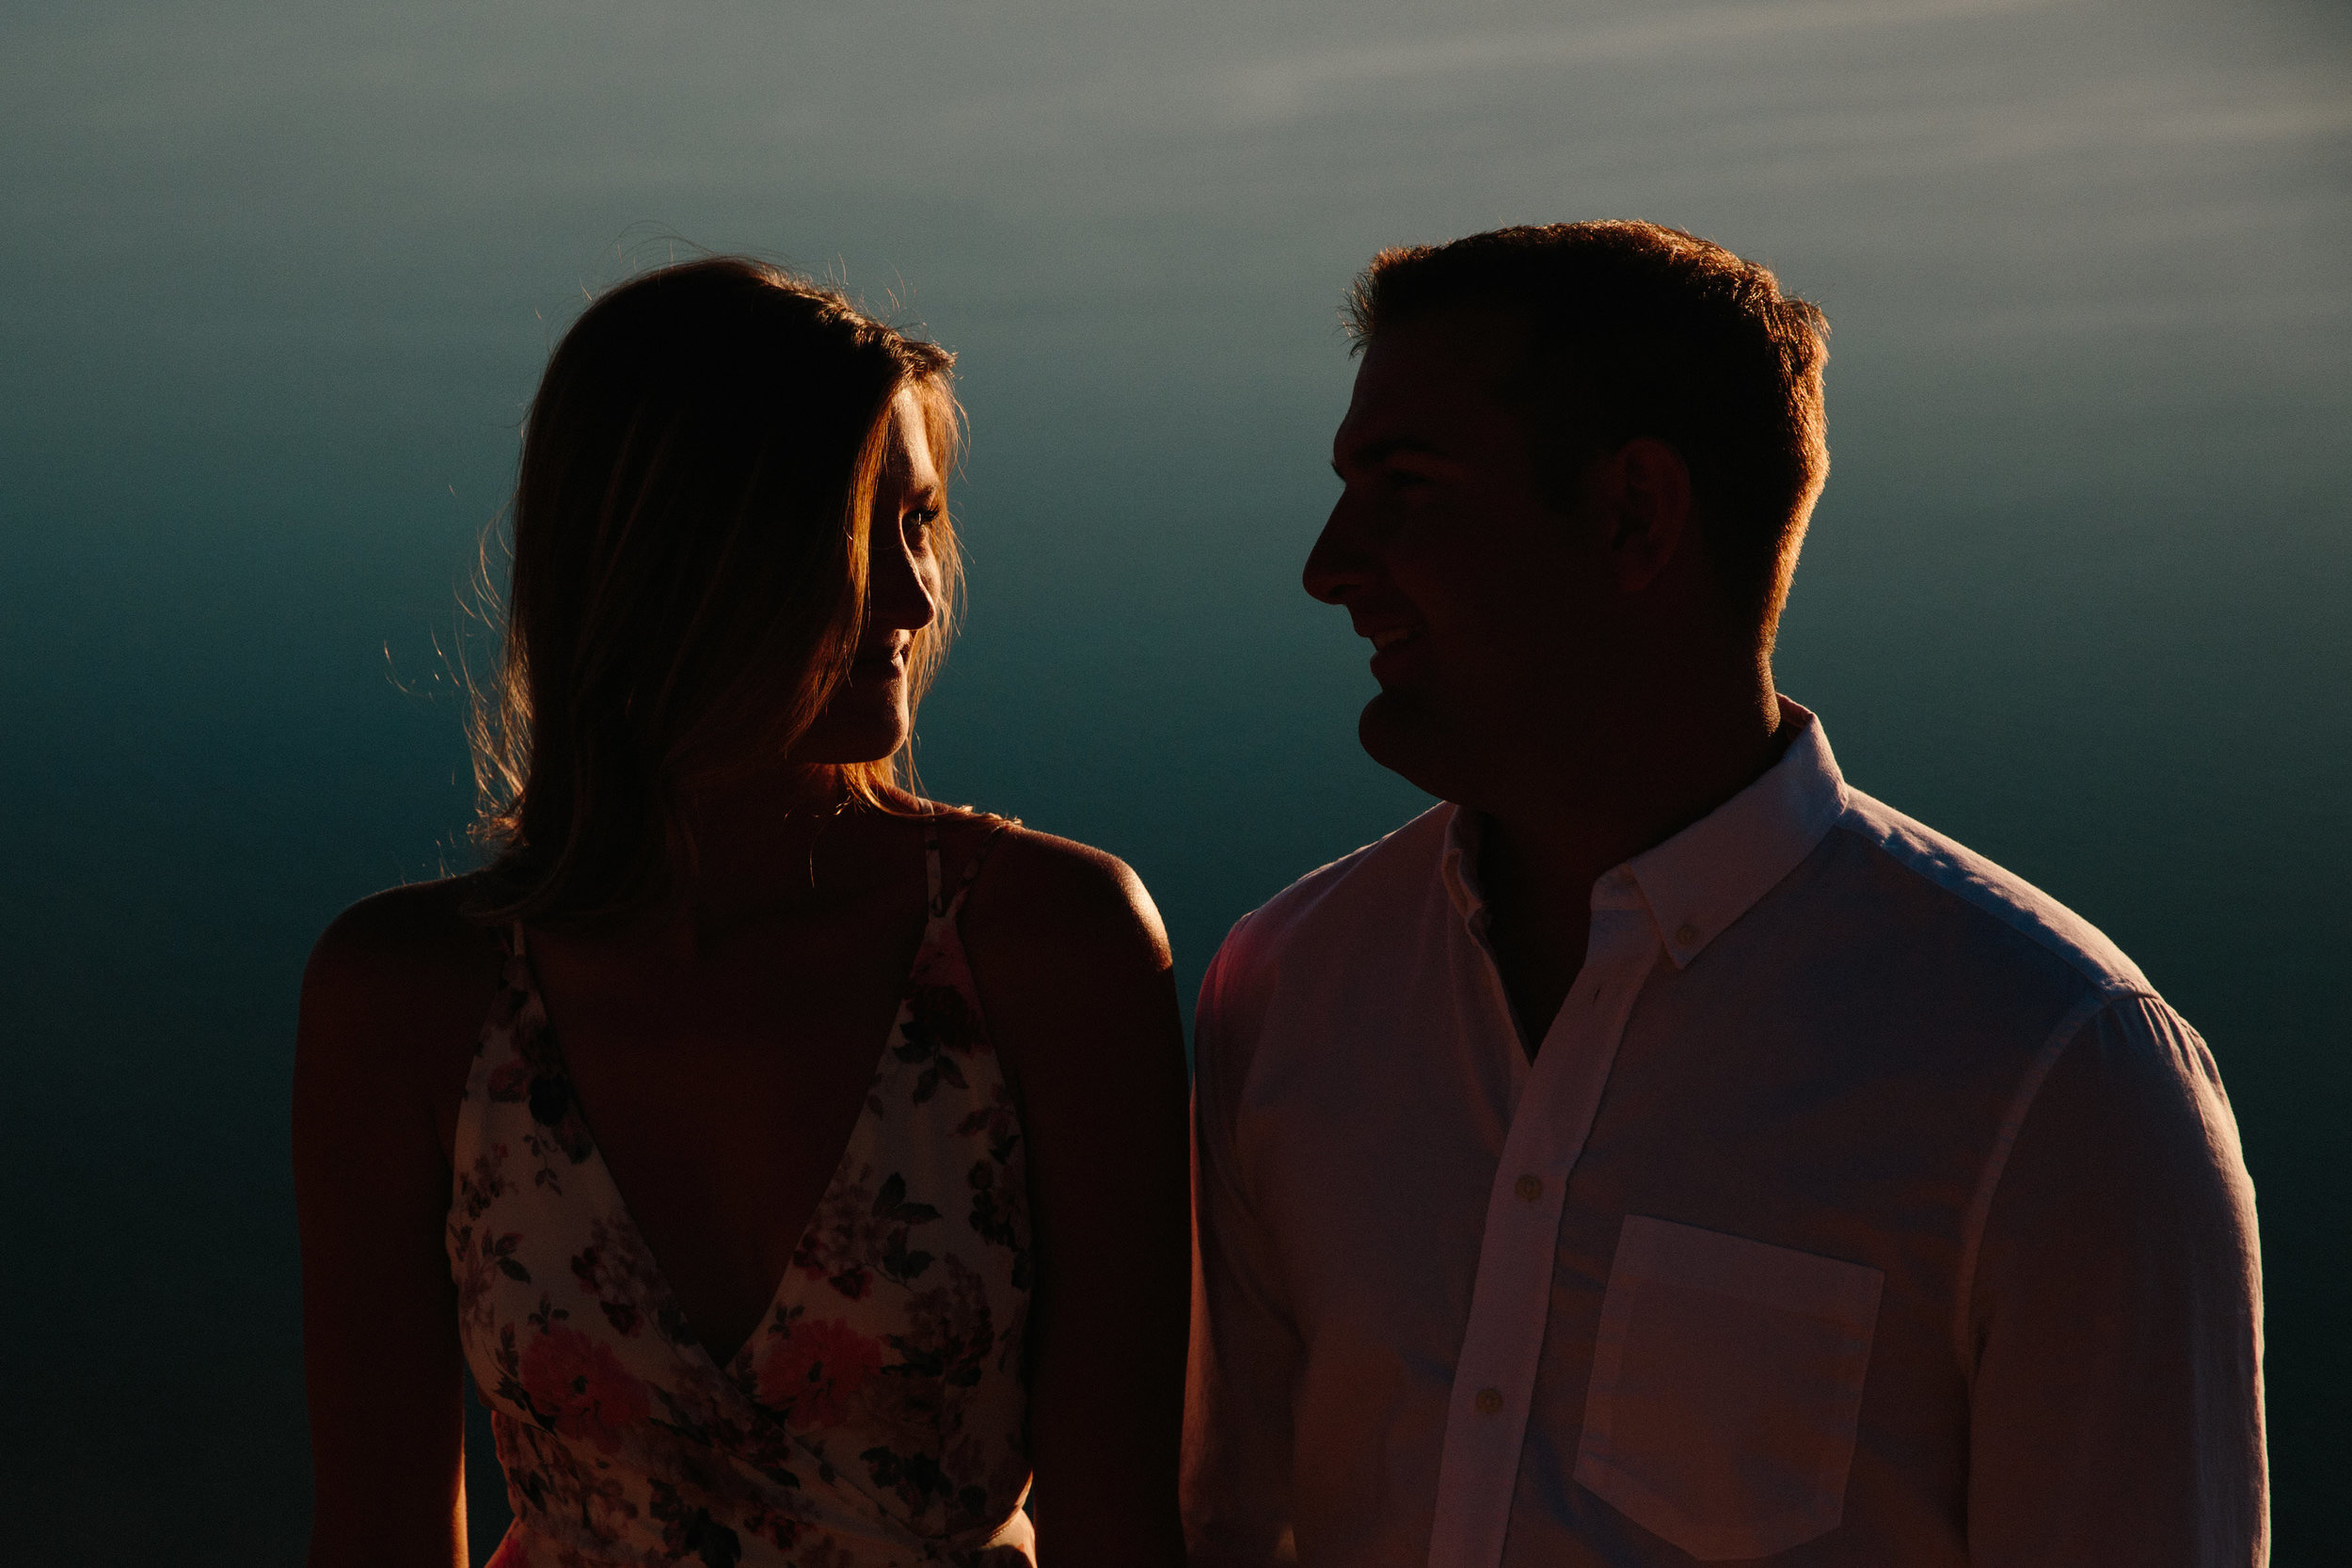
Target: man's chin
(1400, 733)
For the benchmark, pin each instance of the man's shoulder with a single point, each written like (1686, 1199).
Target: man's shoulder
(1331, 911)
(1366, 886)
(1971, 891)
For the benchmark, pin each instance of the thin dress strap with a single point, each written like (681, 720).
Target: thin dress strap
(954, 903)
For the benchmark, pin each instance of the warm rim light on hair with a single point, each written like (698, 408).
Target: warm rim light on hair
(688, 580)
(1632, 329)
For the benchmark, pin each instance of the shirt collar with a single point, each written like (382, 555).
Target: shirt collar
(1714, 871)
(1706, 876)
(1458, 869)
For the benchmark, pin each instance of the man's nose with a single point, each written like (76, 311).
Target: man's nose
(1337, 564)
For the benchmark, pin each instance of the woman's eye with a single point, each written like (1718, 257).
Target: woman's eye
(918, 524)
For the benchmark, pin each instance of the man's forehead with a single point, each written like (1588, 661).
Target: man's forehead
(1423, 378)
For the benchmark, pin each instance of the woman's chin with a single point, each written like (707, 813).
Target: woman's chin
(843, 739)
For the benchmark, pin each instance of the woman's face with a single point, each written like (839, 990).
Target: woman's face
(868, 717)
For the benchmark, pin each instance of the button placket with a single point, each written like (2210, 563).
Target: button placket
(1502, 1340)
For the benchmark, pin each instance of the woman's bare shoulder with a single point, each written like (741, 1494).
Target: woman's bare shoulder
(399, 970)
(1061, 903)
(1073, 967)
(416, 934)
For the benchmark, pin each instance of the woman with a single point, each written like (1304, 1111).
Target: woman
(794, 1163)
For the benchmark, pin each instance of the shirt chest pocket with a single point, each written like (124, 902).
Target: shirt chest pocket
(1726, 1384)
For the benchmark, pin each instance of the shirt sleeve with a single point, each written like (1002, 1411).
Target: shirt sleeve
(1246, 1354)
(2115, 1322)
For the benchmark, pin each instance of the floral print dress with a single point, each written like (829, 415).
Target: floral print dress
(876, 1416)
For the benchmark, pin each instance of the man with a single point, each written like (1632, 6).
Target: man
(1661, 1150)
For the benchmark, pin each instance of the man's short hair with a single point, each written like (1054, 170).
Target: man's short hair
(1635, 330)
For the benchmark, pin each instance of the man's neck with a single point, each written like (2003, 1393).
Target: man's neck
(1589, 801)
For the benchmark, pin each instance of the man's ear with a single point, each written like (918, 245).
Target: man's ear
(1643, 493)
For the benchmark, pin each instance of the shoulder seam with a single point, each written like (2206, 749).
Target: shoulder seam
(2105, 984)
(1310, 886)
(1996, 1165)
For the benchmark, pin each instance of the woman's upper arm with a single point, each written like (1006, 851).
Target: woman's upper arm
(1074, 969)
(372, 1055)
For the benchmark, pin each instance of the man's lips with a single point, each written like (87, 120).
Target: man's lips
(1392, 648)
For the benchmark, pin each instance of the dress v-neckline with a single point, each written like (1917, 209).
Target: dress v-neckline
(669, 1309)
(875, 1411)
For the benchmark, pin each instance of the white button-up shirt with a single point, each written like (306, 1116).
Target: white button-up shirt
(1862, 1205)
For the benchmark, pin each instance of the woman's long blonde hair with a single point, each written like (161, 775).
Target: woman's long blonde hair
(689, 572)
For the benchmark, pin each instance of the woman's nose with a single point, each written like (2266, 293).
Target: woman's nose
(899, 590)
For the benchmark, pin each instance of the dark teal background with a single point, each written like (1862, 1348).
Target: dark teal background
(276, 281)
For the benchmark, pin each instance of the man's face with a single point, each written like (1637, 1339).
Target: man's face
(1485, 604)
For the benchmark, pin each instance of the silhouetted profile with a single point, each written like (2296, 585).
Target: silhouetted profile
(1662, 1150)
(796, 1164)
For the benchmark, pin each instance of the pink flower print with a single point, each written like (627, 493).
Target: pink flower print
(510, 1080)
(813, 1370)
(580, 1387)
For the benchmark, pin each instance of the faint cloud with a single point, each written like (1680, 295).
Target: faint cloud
(1284, 88)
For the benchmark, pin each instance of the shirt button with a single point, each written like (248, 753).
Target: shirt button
(1687, 935)
(1529, 1188)
(1490, 1402)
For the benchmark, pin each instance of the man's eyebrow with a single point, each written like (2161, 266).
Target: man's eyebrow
(1370, 454)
